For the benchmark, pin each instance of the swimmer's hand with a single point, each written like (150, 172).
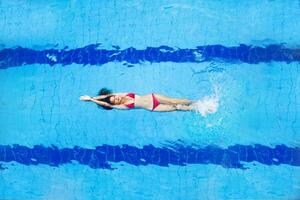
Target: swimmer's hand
(85, 98)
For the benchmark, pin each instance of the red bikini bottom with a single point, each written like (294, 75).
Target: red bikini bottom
(155, 102)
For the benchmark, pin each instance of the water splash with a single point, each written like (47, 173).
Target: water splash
(208, 104)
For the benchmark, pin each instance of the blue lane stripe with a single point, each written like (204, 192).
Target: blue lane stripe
(181, 155)
(92, 55)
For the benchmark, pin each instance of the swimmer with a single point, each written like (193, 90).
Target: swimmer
(152, 102)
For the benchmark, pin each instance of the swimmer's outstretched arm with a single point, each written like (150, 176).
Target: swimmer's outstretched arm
(88, 98)
(101, 103)
(100, 97)
(104, 96)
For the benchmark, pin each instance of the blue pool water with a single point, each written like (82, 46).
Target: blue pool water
(244, 54)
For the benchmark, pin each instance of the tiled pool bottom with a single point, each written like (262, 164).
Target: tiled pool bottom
(245, 55)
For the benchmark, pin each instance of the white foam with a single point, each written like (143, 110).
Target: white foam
(208, 104)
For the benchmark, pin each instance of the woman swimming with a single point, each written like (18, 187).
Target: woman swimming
(153, 102)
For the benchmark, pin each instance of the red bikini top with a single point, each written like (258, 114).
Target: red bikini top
(131, 105)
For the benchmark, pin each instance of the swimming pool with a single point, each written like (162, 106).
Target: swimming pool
(244, 54)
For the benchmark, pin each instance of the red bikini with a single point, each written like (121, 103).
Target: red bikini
(131, 105)
(155, 102)
(132, 95)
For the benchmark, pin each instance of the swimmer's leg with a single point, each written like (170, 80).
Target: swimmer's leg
(184, 107)
(168, 108)
(165, 108)
(168, 100)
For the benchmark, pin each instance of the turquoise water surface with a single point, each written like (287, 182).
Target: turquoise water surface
(244, 54)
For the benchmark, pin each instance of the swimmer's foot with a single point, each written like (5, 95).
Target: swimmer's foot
(192, 102)
(183, 107)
